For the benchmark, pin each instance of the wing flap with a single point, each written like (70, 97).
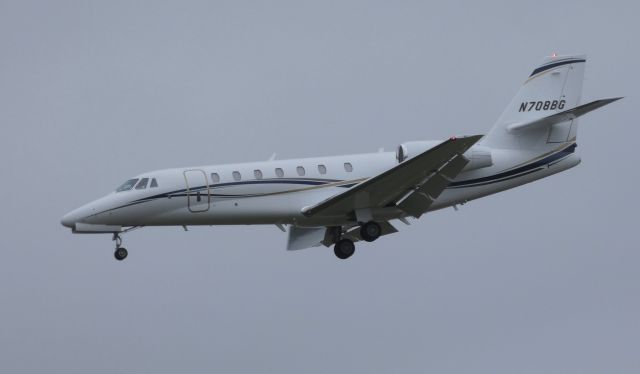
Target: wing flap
(305, 237)
(417, 202)
(308, 237)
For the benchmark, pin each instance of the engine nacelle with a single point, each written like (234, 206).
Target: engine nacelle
(478, 156)
(412, 149)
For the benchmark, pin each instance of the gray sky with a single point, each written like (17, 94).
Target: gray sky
(543, 278)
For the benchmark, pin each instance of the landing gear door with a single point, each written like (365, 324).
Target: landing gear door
(198, 192)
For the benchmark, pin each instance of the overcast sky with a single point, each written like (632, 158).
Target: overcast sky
(541, 279)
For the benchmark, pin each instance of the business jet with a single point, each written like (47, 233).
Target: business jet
(339, 200)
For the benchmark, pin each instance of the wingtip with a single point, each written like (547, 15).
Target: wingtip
(466, 137)
(474, 138)
(467, 140)
(612, 99)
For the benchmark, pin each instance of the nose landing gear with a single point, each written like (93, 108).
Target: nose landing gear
(121, 252)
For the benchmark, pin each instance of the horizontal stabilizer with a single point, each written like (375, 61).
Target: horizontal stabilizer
(567, 115)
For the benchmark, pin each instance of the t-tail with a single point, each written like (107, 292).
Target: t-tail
(544, 113)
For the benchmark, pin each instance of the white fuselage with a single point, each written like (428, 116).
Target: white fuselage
(276, 191)
(341, 200)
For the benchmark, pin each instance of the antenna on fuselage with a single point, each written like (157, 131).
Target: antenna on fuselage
(273, 157)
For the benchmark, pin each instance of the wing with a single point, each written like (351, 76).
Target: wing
(412, 185)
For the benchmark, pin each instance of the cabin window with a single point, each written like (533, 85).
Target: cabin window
(127, 185)
(215, 178)
(236, 175)
(348, 167)
(257, 174)
(154, 183)
(279, 172)
(300, 171)
(322, 169)
(142, 184)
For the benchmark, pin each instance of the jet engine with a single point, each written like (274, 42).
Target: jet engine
(478, 156)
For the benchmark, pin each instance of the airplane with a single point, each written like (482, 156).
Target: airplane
(339, 200)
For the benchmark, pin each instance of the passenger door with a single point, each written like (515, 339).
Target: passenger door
(198, 193)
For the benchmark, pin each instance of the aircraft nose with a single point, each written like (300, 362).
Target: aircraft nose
(68, 220)
(78, 215)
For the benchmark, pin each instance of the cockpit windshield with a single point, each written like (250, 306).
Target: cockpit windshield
(142, 184)
(139, 183)
(127, 185)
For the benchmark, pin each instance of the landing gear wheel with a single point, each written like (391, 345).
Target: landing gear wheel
(344, 249)
(370, 231)
(120, 253)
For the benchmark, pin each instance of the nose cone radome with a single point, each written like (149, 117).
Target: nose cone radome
(85, 214)
(69, 220)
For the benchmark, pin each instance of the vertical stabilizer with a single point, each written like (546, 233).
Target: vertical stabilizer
(554, 86)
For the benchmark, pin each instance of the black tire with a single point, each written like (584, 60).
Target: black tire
(344, 249)
(370, 231)
(120, 253)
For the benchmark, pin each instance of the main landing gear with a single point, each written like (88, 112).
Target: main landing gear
(370, 231)
(344, 247)
(121, 252)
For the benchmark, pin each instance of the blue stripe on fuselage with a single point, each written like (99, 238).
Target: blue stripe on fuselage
(509, 174)
(499, 177)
